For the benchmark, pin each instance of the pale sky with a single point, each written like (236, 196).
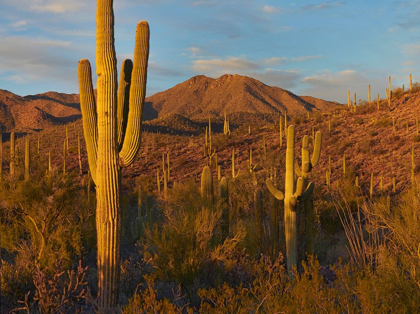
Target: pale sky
(316, 48)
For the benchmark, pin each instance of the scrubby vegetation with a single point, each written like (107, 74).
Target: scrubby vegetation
(180, 260)
(343, 237)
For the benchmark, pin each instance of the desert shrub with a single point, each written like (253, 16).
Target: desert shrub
(41, 221)
(146, 301)
(187, 247)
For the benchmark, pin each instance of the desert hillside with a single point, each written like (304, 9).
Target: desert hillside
(201, 97)
(198, 98)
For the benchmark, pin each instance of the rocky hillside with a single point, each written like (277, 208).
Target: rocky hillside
(201, 97)
(31, 113)
(196, 99)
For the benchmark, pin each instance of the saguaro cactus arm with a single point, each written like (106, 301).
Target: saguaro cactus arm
(276, 193)
(132, 136)
(307, 193)
(88, 107)
(123, 99)
(317, 149)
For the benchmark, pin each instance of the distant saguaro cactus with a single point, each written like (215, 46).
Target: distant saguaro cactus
(112, 130)
(207, 186)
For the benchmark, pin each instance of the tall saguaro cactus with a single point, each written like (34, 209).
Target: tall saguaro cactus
(291, 197)
(112, 132)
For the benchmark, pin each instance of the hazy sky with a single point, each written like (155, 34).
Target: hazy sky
(312, 48)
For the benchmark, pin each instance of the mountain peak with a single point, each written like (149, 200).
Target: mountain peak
(202, 97)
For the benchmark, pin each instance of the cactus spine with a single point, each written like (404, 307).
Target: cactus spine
(369, 95)
(27, 160)
(12, 154)
(290, 197)
(104, 124)
(377, 102)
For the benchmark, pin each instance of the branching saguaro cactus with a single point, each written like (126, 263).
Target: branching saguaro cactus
(112, 130)
(290, 197)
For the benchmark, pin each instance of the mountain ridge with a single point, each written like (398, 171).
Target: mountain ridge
(197, 98)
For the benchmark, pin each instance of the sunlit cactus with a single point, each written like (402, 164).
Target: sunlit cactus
(226, 127)
(207, 186)
(292, 197)
(112, 129)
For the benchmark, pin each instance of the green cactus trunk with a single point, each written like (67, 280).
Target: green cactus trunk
(207, 187)
(290, 202)
(104, 124)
